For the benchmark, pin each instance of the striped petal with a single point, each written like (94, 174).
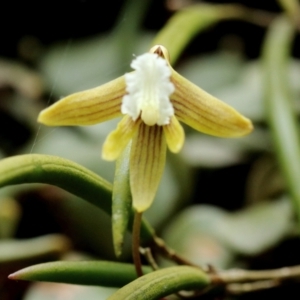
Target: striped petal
(174, 135)
(147, 162)
(206, 113)
(88, 107)
(118, 139)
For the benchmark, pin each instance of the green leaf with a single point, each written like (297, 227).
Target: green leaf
(33, 250)
(35, 168)
(162, 283)
(72, 177)
(279, 104)
(121, 201)
(211, 235)
(245, 230)
(198, 227)
(185, 24)
(102, 273)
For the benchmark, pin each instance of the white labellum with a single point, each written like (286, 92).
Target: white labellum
(149, 88)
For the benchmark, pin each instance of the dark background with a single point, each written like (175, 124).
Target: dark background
(51, 21)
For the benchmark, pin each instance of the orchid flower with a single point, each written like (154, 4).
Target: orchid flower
(152, 100)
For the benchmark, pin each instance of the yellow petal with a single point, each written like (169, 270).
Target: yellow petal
(88, 107)
(206, 113)
(174, 135)
(147, 161)
(118, 139)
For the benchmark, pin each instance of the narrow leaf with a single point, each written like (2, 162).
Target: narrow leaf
(102, 273)
(121, 200)
(162, 283)
(33, 250)
(279, 104)
(35, 168)
(72, 177)
(185, 24)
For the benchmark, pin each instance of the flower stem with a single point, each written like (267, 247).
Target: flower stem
(136, 243)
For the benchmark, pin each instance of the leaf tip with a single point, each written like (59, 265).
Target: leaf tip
(14, 276)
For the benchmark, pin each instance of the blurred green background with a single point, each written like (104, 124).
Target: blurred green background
(222, 202)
